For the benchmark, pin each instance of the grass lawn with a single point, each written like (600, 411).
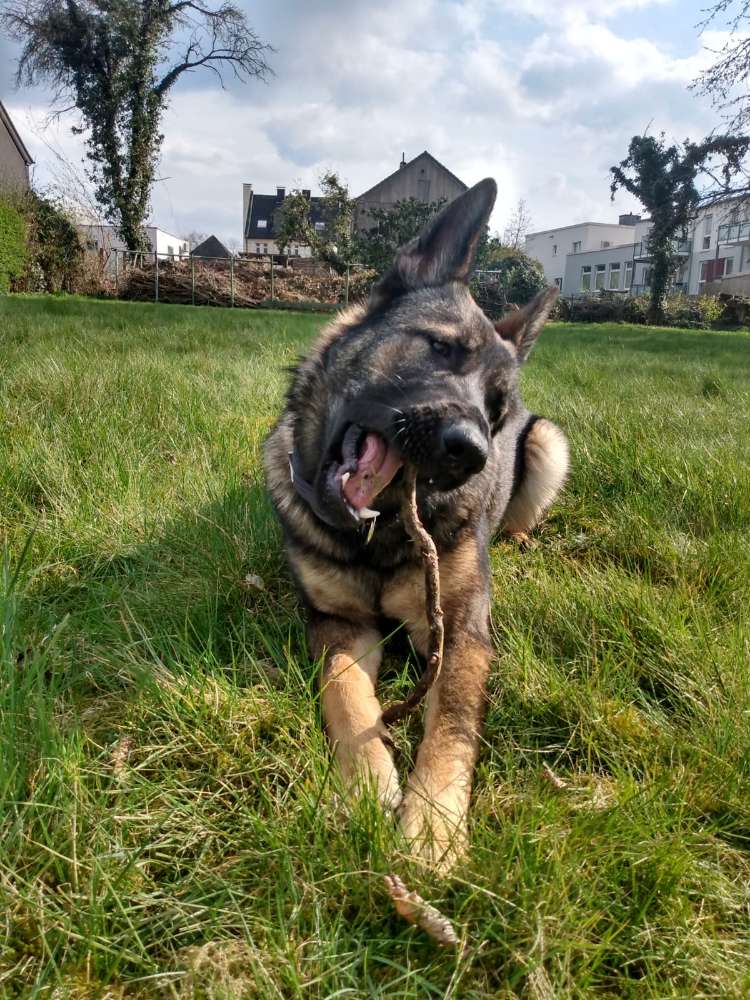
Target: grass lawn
(169, 822)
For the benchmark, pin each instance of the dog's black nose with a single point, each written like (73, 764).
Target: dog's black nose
(464, 446)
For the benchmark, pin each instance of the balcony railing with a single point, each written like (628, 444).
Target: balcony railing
(734, 232)
(680, 247)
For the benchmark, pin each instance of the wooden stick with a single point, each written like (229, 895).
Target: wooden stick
(428, 552)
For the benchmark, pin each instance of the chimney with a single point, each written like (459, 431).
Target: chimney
(402, 164)
(628, 220)
(247, 200)
(280, 193)
(306, 192)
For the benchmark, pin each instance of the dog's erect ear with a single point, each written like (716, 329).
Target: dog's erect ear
(521, 327)
(445, 249)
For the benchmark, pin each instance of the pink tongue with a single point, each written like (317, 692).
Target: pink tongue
(376, 467)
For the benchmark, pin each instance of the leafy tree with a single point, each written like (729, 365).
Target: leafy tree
(114, 62)
(514, 234)
(516, 280)
(727, 81)
(335, 210)
(664, 179)
(390, 229)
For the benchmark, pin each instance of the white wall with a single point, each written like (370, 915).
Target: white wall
(552, 246)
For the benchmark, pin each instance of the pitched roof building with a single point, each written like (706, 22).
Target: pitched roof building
(262, 216)
(424, 178)
(15, 158)
(210, 247)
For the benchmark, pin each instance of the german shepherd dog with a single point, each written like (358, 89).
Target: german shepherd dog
(421, 376)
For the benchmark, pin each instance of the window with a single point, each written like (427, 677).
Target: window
(577, 246)
(170, 253)
(265, 248)
(704, 269)
(745, 260)
(707, 223)
(319, 227)
(628, 274)
(728, 266)
(554, 249)
(257, 247)
(586, 279)
(262, 223)
(558, 282)
(614, 276)
(600, 275)
(605, 244)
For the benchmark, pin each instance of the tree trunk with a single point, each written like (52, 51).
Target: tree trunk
(660, 277)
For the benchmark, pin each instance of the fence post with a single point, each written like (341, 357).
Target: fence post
(272, 288)
(346, 290)
(156, 276)
(117, 279)
(192, 280)
(231, 279)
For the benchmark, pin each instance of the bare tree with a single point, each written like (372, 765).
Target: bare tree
(116, 63)
(514, 234)
(726, 82)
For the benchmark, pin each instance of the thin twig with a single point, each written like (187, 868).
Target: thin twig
(428, 552)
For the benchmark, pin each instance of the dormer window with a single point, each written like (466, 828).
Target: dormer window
(319, 227)
(262, 223)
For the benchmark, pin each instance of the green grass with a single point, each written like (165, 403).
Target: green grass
(169, 822)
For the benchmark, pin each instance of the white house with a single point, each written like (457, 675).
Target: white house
(107, 240)
(713, 256)
(551, 246)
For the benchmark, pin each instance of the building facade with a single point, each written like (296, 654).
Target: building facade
(109, 244)
(424, 178)
(261, 222)
(713, 256)
(551, 247)
(15, 158)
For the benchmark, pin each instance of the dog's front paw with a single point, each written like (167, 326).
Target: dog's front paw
(370, 767)
(436, 830)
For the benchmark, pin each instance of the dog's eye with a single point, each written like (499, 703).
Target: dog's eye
(441, 347)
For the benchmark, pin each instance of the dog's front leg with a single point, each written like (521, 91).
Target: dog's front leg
(351, 711)
(435, 807)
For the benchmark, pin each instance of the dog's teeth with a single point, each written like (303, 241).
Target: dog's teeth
(371, 531)
(291, 467)
(345, 478)
(366, 513)
(353, 512)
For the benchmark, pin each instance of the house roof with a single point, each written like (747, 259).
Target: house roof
(211, 247)
(580, 225)
(423, 155)
(17, 140)
(267, 207)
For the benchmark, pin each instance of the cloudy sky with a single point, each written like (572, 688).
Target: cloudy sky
(543, 96)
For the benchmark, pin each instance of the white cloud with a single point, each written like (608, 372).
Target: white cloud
(545, 105)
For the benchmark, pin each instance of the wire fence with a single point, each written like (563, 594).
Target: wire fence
(230, 281)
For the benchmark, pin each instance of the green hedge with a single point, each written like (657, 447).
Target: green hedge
(12, 243)
(702, 311)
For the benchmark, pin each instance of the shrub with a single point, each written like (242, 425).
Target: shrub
(702, 311)
(515, 279)
(55, 249)
(13, 251)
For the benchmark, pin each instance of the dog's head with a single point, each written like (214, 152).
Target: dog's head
(422, 376)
